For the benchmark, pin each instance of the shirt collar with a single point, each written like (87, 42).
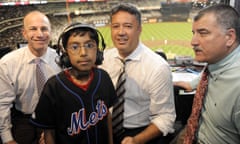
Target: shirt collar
(135, 55)
(219, 67)
(31, 57)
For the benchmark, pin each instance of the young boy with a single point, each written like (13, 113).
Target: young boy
(73, 108)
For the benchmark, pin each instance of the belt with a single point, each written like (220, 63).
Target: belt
(16, 113)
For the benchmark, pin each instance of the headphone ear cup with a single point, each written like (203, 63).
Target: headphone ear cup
(65, 61)
(99, 57)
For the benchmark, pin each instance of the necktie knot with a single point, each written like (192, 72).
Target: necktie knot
(206, 71)
(37, 60)
(124, 61)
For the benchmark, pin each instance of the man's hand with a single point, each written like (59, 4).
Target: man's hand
(130, 140)
(11, 142)
(42, 139)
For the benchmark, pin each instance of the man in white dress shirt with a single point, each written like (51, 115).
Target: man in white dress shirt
(18, 92)
(149, 110)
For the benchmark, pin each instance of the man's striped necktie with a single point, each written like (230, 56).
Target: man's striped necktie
(118, 108)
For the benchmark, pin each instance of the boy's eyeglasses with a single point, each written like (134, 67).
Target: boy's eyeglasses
(75, 48)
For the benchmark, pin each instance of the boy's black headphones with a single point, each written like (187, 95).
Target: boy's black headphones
(63, 60)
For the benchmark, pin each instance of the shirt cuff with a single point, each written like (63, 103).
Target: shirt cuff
(6, 136)
(164, 127)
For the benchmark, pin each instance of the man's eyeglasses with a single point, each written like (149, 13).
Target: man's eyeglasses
(74, 48)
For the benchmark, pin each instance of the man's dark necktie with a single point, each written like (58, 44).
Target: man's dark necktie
(193, 120)
(40, 77)
(118, 108)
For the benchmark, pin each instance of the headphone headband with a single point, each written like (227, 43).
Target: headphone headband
(64, 60)
(81, 25)
(78, 25)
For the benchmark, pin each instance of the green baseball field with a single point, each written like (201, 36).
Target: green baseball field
(173, 38)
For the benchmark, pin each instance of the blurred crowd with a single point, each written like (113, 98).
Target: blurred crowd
(11, 17)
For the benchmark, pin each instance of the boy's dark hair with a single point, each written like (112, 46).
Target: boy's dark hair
(78, 29)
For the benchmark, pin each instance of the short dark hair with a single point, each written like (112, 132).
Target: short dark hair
(127, 7)
(226, 16)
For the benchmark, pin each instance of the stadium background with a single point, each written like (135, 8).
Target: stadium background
(166, 23)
